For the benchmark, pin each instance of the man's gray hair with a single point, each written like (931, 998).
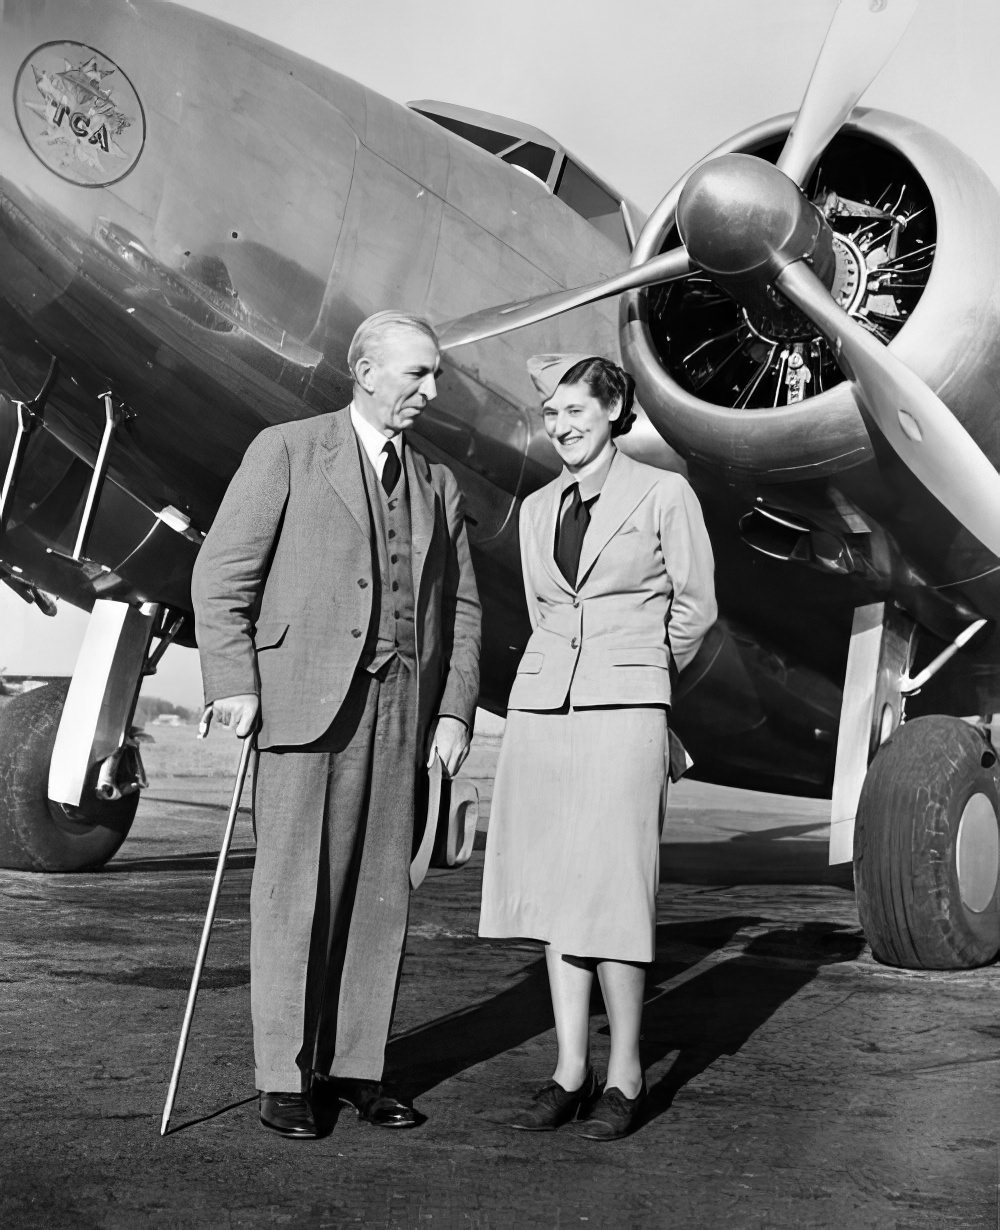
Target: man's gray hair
(371, 333)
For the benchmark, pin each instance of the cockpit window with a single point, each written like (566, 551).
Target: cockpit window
(532, 157)
(534, 151)
(485, 138)
(592, 202)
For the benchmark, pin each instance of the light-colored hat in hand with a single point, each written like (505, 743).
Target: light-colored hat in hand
(450, 825)
(547, 370)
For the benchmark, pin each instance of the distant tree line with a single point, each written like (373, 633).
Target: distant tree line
(150, 707)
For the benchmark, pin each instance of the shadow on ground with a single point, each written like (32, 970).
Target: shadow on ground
(710, 1015)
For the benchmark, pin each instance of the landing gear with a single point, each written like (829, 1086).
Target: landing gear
(926, 847)
(35, 833)
(70, 772)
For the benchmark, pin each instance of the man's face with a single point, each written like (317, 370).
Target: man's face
(401, 380)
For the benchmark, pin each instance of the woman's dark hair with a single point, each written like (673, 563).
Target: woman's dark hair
(610, 384)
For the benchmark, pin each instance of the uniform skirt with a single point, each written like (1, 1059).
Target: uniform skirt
(573, 847)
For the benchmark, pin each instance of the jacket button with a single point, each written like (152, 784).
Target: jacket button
(355, 632)
(574, 643)
(362, 583)
(576, 603)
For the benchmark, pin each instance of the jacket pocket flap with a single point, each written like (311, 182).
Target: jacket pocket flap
(530, 664)
(652, 655)
(269, 635)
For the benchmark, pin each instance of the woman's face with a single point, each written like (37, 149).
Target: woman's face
(577, 424)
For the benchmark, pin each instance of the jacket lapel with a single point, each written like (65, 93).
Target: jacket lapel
(623, 490)
(545, 528)
(418, 479)
(341, 465)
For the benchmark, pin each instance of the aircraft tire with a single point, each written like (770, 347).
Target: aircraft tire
(35, 833)
(926, 848)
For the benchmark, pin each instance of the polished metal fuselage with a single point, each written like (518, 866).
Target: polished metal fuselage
(213, 289)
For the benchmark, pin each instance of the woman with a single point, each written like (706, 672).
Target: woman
(618, 579)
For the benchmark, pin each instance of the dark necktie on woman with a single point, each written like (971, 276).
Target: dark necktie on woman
(570, 533)
(392, 468)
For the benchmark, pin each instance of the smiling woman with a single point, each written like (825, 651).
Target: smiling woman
(618, 580)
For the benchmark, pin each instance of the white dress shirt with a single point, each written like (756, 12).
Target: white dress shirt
(374, 442)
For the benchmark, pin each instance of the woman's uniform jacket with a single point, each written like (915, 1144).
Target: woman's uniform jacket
(644, 593)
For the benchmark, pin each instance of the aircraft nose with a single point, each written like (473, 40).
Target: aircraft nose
(742, 220)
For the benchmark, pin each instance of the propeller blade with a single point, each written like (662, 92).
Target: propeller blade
(862, 36)
(914, 420)
(490, 322)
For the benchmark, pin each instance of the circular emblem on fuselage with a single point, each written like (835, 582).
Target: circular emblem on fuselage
(79, 114)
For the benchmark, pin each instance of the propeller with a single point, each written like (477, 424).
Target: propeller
(914, 420)
(862, 36)
(747, 224)
(490, 322)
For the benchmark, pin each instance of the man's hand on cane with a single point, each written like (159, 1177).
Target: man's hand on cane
(449, 738)
(240, 712)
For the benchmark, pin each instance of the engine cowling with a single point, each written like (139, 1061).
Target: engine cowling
(917, 229)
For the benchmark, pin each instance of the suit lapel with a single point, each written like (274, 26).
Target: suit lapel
(341, 465)
(418, 480)
(622, 492)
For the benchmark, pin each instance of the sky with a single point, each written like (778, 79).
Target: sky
(637, 89)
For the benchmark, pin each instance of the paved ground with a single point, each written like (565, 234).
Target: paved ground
(795, 1083)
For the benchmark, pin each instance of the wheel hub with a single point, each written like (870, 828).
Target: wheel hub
(978, 853)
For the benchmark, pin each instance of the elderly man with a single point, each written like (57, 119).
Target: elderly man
(337, 614)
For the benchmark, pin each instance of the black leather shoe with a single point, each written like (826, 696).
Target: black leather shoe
(288, 1114)
(553, 1105)
(613, 1117)
(374, 1105)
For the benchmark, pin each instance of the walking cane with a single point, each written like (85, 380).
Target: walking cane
(206, 931)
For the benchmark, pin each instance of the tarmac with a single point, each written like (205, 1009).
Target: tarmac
(794, 1081)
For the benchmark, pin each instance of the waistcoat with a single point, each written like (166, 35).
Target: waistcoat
(391, 631)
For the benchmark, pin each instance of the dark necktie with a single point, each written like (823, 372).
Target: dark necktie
(391, 469)
(570, 534)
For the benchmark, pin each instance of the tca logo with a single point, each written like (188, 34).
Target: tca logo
(79, 124)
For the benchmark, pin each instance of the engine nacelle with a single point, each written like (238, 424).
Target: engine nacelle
(764, 399)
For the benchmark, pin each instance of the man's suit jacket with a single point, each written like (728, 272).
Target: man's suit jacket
(283, 584)
(644, 593)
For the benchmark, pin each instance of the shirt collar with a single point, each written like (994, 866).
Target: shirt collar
(593, 475)
(372, 440)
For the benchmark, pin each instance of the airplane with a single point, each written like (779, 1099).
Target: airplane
(192, 223)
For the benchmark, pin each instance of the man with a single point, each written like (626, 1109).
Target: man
(337, 614)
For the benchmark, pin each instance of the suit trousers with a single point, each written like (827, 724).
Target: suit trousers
(330, 892)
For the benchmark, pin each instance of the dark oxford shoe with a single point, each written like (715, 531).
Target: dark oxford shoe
(552, 1105)
(613, 1117)
(288, 1114)
(374, 1105)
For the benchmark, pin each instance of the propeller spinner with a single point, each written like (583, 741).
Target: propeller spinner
(746, 224)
